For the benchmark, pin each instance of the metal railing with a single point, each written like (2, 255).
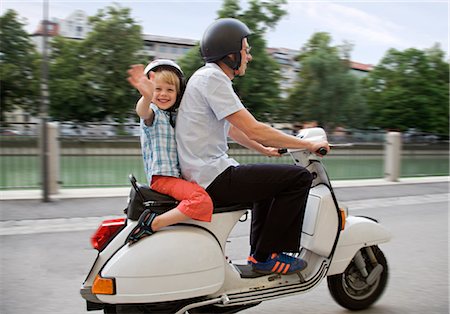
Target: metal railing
(106, 162)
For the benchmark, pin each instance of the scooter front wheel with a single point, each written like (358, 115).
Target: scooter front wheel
(352, 289)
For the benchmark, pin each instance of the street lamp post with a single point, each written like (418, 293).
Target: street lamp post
(44, 108)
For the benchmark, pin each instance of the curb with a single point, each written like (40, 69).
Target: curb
(124, 191)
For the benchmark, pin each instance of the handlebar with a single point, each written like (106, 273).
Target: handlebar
(322, 151)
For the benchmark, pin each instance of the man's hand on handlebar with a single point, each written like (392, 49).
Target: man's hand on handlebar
(319, 148)
(272, 152)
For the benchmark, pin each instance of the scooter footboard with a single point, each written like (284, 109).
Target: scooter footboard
(166, 266)
(359, 232)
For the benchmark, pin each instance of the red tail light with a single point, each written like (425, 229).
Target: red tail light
(107, 230)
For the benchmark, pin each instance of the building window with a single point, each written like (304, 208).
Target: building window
(149, 46)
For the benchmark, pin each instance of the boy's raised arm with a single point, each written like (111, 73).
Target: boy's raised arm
(145, 86)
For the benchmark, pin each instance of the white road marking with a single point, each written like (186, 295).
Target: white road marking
(17, 227)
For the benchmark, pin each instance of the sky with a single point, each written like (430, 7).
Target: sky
(372, 27)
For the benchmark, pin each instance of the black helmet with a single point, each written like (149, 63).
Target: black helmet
(224, 37)
(168, 65)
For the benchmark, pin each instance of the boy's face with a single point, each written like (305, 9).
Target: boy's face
(164, 95)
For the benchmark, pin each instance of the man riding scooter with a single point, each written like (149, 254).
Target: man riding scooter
(210, 112)
(185, 268)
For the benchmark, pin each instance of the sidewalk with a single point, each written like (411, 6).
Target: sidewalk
(23, 212)
(124, 191)
(84, 209)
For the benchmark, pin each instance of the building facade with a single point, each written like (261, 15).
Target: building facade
(162, 47)
(77, 26)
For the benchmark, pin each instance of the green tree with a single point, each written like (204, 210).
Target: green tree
(259, 90)
(326, 91)
(68, 99)
(191, 61)
(106, 55)
(19, 67)
(409, 89)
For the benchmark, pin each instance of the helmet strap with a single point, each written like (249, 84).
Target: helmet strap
(171, 115)
(233, 64)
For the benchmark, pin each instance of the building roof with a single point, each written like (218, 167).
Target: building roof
(290, 53)
(171, 40)
(361, 66)
(53, 30)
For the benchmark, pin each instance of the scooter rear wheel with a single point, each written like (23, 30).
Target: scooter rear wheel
(350, 289)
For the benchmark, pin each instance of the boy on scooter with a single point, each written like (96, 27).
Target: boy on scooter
(161, 85)
(209, 113)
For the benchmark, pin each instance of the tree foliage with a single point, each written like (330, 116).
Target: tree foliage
(326, 91)
(259, 89)
(409, 89)
(88, 77)
(68, 99)
(191, 61)
(107, 53)
(19, 67)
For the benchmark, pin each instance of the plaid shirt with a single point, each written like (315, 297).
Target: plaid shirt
(159, 148)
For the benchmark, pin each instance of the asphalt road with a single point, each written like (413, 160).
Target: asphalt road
(45, 251)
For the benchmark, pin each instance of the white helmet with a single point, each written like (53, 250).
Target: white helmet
(155, 64)
(168, 65)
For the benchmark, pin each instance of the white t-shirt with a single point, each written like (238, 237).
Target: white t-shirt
(202, 129)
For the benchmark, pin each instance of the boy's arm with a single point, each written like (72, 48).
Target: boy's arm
(145, 86)
(144, 111)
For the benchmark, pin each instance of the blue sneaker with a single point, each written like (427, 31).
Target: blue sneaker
(279, 264)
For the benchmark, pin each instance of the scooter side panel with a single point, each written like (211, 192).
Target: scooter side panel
(359, 232)
(321, 222)
(166, 266)
(104, 255)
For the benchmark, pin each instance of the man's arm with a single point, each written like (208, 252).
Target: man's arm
(239, 137)
(268, 136)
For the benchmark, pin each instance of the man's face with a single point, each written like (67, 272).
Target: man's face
(246, 57)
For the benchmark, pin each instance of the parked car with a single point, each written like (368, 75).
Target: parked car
(413, 135)
(9, 132)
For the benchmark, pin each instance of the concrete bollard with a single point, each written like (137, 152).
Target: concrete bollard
(53, 157)
(392, 156)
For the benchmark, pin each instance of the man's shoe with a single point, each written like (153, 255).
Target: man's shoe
(279, 264)
(143, 227)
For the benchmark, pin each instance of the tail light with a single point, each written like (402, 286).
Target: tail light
(107, 231)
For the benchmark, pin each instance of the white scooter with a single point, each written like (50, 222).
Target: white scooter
(183, 268)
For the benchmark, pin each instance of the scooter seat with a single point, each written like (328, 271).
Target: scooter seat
(143, 197)
(231, 208)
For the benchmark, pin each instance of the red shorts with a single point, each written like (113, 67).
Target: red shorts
(194, 201)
